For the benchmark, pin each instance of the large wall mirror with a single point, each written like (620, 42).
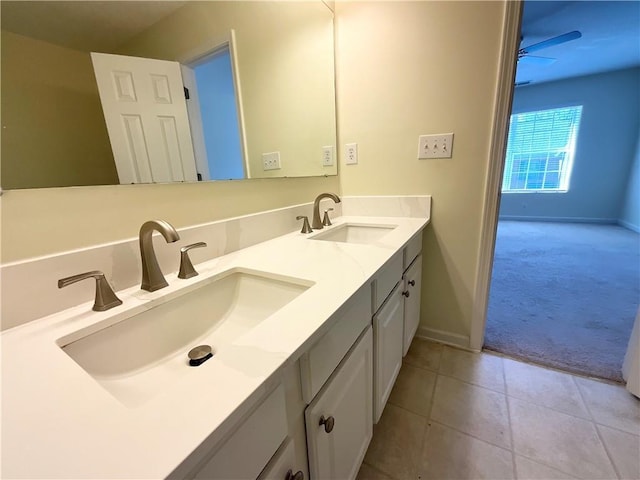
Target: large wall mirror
(90, 93)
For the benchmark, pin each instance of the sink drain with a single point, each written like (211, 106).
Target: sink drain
(200, 354)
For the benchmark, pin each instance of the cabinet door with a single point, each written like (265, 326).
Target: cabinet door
(412, 291)
(388, 326)
(337, 446)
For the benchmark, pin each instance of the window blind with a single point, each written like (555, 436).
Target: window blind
(540, 150)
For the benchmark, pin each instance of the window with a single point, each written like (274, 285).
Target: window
(540, 150)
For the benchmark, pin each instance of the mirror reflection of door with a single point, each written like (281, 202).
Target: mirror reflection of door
(146, 116)
(213, 113)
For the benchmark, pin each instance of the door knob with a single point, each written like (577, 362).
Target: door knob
(412, 282)
(406, 293)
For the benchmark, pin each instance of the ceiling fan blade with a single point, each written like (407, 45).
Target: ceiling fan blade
(567, 37)
(534, 60)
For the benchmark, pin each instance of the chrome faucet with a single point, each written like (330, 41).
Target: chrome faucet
(152, 277)
(317, 221)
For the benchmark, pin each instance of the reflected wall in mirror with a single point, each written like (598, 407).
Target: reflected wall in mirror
(281, 57)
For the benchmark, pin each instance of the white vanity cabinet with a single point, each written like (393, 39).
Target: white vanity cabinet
(338, 420)
(396, 301)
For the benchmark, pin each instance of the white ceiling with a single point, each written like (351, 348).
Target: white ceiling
(610, 38)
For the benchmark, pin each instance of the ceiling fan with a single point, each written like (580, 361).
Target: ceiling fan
(524, 53)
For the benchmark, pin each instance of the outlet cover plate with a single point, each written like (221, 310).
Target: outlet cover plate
(327, 156)
(435, 146)
(351, 154)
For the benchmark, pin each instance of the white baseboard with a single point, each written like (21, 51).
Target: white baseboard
(629, 225)
(520, 218)
(448, 338)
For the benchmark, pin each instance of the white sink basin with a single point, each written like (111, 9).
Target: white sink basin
(354, 233)
(137, 357)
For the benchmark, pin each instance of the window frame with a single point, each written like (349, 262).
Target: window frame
(568, 151)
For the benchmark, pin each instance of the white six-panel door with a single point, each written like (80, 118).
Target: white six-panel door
(146, 116)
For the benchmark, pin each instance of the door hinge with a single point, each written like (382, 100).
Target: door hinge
(186, 93)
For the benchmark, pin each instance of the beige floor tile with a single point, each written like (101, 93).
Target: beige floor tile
(414, 389)
(424, 354)
(367, 472)
(527, 469)
(473, 410)
(624, 450)
(611, 405)
(396, 444)
(478, 368)
(559, 440)
(545, 387)
(449, 454)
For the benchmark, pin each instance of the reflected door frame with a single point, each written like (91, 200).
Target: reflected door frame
(188, 61)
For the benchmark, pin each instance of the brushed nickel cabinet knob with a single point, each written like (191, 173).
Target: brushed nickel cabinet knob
(328, 423)
(294, 476)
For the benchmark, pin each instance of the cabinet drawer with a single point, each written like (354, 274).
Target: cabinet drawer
(249, 449)
(281, 463)
(386, 278)
(411, 250)
(317, 365)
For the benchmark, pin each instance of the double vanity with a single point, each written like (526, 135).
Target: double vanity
(306, 334)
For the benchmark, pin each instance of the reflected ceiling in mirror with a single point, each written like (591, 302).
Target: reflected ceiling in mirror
(280, 62)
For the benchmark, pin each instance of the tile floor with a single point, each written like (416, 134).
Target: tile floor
(459, 415)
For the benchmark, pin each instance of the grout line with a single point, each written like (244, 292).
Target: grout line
(405, 409)
(552, 467)
(595, 426)
(582, 397)
(377, 470)
(511, 439)
(431, 420)
(606, 451)
(467, 434)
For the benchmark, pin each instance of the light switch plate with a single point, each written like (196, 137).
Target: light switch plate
(271, 161)
(435, 146)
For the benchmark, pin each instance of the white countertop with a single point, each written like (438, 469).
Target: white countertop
(59, 422)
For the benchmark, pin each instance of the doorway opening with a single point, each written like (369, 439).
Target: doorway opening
(213, 87)
(565, 285)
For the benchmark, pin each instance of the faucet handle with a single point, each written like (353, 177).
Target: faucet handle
(326, 221)
(306, 228)
(105, 297)
(186, 267)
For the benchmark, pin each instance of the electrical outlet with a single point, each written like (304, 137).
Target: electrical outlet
(327, 156)
(351, 154)
(435, 146)
(271, 161)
